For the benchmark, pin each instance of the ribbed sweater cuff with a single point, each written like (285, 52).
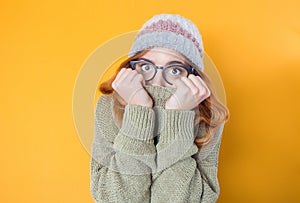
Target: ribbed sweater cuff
(178, 125)
(138, 122)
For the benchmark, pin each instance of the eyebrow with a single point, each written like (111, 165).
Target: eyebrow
(170, 62)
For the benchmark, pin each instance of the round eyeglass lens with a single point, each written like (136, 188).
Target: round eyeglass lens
(173, 73)
(146, 69)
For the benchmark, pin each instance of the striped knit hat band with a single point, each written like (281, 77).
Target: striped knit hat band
(174, 32)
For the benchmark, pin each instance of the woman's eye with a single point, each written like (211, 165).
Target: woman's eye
(145, 67)
(175, 71)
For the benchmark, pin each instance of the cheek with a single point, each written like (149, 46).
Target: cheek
(148, 82)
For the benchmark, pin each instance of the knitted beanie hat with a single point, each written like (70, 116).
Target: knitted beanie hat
(171, 31)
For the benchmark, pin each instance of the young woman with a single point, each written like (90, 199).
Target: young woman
(158, 123)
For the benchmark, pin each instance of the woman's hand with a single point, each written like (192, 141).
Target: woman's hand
(129, 85)
(190, 93)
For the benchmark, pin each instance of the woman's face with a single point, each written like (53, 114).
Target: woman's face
(162, 57)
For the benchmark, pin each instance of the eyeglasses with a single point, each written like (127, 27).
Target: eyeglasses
(171, 72)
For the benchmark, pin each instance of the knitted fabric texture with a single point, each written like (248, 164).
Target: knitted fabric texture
(127, 165)
(173, 32)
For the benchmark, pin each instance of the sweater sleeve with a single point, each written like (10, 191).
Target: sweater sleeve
(122, 158)
(180, 177)
(207, 161)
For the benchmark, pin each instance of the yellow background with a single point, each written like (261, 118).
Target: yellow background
(254, 44)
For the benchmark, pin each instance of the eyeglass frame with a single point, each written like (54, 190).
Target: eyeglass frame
(190, 70)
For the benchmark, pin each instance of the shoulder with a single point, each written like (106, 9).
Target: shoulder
(103, 101)
(104, 118)
(104, 106)
(211, 150)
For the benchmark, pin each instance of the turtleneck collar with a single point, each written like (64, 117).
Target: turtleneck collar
(159, 94)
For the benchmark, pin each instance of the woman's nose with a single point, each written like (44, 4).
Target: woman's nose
(158, 79)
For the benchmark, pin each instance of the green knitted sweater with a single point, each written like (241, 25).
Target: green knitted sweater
(152, 157)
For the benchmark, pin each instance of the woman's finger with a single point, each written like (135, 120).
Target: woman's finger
(116, 81)
(179, 84)
(200, 84)
(125, 77)
(140, 79)
(193, 88)
(119, 74)
(130, 75)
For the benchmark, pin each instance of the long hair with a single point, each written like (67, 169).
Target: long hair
(211, 111)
